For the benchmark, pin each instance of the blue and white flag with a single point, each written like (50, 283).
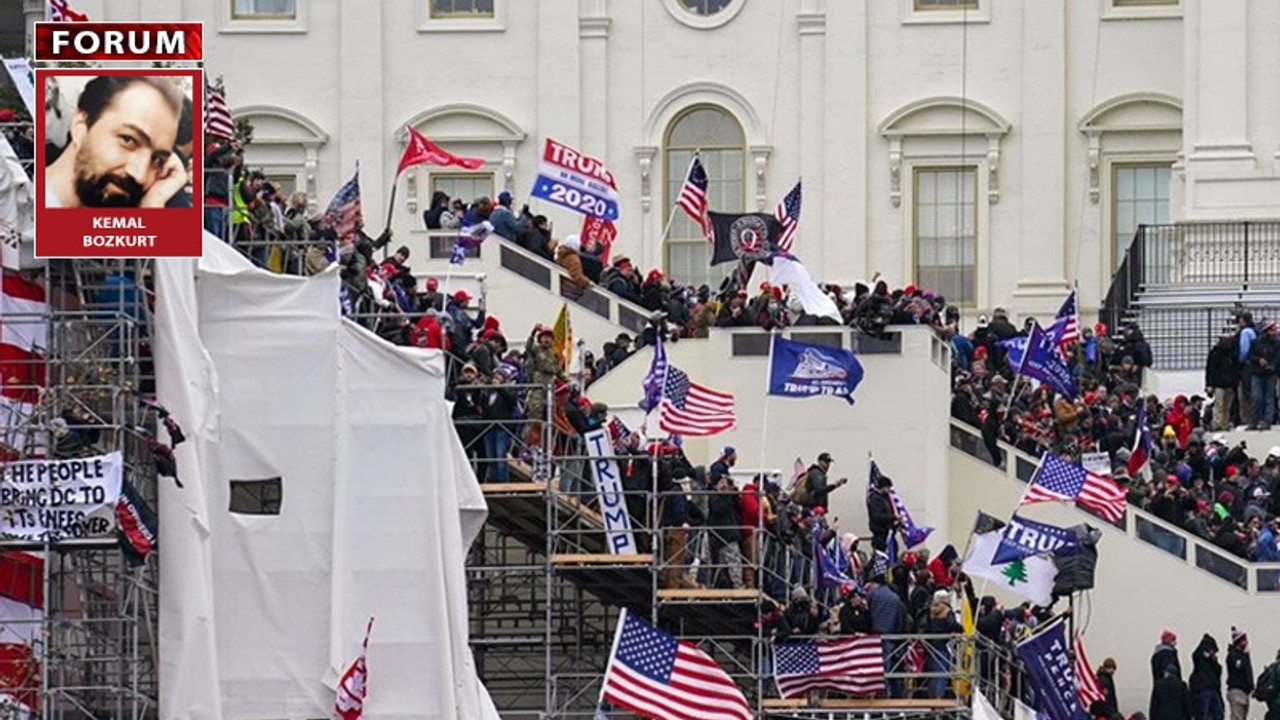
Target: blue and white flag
(1052, 674)
(804, 370)
(1024, 538)
(1043, 362)
(833, 567)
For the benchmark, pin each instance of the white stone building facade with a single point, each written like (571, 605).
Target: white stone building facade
(999, 150)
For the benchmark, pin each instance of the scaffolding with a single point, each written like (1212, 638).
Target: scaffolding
(94, 655)
(545, 590)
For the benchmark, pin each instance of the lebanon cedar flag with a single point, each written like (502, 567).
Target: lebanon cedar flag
(21, 616)
(420, 150)
(349, 704)
(1087, 685)
(657, 676)
(24, 336)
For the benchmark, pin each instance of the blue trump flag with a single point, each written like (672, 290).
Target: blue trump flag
(1024, 538)
(1052, 674)
(804, 370)
(1043, 362)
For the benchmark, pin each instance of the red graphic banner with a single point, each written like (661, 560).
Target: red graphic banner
(598, 235)
(119, 41)
(113, 175)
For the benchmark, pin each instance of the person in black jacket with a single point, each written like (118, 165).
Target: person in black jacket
(499, 412)
(468, 409)
(439, 204)
(1206, 681)
(820, 486)
(854, 615)
(881, 517)
(1107, 680)
(1169, 698)
(1239, 675)
(1166, 654)
(1221, 376)
(724, 519)
(1263, 360)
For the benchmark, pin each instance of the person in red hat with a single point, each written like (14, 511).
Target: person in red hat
(432, 299)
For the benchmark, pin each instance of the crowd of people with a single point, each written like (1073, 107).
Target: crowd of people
(1195, 479)
(1176, 695)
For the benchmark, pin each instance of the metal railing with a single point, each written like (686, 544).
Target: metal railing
(1237, 254)
(1251, 577)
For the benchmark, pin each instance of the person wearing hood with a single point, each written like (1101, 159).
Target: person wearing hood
(944, 567)
(439, 206)
(942, 621)
(1169, 697)
(1239, 675)
(1206, 681)
(568, 256)
(1166, 654)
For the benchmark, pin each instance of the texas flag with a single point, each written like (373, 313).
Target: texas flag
(1141, 452)
(421, 151)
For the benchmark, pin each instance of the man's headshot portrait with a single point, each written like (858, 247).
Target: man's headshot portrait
(117, 143)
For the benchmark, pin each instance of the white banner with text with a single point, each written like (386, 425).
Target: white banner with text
(61, 499)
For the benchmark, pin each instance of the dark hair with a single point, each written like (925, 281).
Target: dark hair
(100, 91)
(184, 123)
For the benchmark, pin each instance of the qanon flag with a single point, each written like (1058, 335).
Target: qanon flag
(747, 237)
(1049, 667)
(1024, 538)
(804, 370)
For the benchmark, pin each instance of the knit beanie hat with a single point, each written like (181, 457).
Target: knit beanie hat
(1168, 637)
(1238, 636)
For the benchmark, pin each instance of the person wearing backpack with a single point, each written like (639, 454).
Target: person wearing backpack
(1267, 689)
(1239, 675)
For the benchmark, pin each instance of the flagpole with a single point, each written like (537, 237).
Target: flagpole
(764, 415)
(395, 185)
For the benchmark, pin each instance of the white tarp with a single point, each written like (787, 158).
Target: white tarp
(260, 614)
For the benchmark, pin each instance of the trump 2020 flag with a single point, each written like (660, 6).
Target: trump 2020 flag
(1043, 362)
(655, 675)
(1024, 538)
(1048, 666)
(349, 704)
(805, 370)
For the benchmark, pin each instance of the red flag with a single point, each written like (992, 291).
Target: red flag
(597, 236)
(354, 684)
(420, 150)
(60, 11)
(1087, 685)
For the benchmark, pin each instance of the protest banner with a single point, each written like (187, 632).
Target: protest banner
(60, 499)
(613, 504)
(576, 181)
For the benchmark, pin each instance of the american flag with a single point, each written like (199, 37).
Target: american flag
(344, 214)
(852, 664)
(1057, 480)
(684, 407)
(60, 11)
(1066, 325)
(788, 215)
(217, 115)
(655, 675)
(1087, 685)
(693, 197)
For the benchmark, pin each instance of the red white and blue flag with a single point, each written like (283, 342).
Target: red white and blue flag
(657, 676)
(217, 114)
(853, 665)
(788, 215)
(1140, 455)
(1087, 685)
(60, 11)
(21, 624)
(693, 197)
(1058, 480)
(344, 214)
(1066, 324)
(685, 407)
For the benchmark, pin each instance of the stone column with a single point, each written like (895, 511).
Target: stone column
(1217, 85)
(362, 133)
(1042, 239)
(811, 22)
(593, 44)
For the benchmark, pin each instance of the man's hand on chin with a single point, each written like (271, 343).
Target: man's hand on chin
(171, 179)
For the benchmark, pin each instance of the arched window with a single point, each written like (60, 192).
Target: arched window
(718, 139)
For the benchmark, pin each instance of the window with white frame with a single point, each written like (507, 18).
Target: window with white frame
(945, 208)
(466, 187)
(926, 5)
(720, 143)
(1139, 196)
(450, 9)
(264, 9)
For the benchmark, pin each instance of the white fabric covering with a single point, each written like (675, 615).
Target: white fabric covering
(260, 614)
